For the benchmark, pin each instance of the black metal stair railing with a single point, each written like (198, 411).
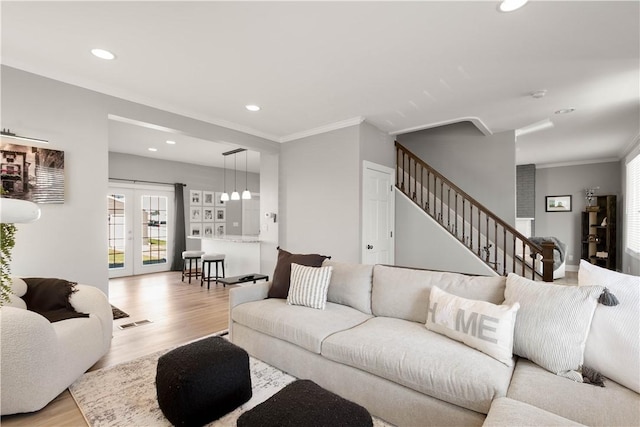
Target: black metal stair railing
(491, 239)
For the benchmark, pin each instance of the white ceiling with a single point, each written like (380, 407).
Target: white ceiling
(309, 65)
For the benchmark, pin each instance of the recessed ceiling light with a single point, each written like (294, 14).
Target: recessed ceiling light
(539, 93)
(565, 110)
(251, 107)
(103, 54)
(511, 5)
(171, 142)
(152, 149)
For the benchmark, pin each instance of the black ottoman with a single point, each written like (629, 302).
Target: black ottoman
(304, 403)
(202, 381)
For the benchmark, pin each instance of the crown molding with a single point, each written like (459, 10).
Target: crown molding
(322, 129)
(577, 163)
(476, 121)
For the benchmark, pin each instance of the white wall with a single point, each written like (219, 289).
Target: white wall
(70, 239)
(421, 242)
(573, 180)
(482, 166)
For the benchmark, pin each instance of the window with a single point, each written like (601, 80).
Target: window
(632, 213)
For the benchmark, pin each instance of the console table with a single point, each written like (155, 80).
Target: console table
(242, 279)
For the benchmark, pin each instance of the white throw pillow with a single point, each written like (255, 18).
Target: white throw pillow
(613, 343)
(553, 323)
(479, 324)
(18, 286)
(309, 286)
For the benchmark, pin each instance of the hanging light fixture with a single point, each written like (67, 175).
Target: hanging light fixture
(235, 195)
(225, 195)
(246, 194)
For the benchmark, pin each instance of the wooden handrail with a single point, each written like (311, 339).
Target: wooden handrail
(464, 194)
(546, 250)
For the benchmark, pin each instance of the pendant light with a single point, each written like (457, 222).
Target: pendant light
(235, 195)
(246, 194)
(225, 195)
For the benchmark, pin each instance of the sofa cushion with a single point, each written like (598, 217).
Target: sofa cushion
(613, 405)
(408, 354)
(507, 412)
(350, 285)
(404, 293)
(282, 273)
(552, 323)
(303, 326)
(613, 343)
(309, 286)
(479, 324)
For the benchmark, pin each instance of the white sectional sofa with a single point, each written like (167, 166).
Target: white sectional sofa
(39, 359)
(370, 345)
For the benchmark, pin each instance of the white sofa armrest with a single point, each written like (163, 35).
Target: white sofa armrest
(29, 350)
(243, 294)
(91, 300)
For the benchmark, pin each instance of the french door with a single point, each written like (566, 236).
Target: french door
(140, 227)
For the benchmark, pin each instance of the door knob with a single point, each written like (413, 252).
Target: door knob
(369, 246)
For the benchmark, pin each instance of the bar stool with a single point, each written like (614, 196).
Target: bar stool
(190, 256)
(207, 259)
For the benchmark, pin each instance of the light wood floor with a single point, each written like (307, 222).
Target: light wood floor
(179, 313)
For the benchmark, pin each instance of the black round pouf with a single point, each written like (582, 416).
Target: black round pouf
(202, 381)
(305, 403)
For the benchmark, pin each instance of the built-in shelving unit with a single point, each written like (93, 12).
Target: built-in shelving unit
(599, 232)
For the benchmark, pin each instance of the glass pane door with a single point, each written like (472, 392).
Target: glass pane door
(139, 227)
(154, 230)
(117, 234)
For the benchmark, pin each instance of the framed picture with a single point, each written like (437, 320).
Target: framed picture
(208, 198)
(221, 214)
(220, 229)
(195, 229)
(195, 197)
(218, 201)
(207, 214)
(32, 173)
(195, 214)
(558, 203)
(207, 229)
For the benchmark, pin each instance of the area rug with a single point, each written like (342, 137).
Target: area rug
(117, 313)
(125, 394)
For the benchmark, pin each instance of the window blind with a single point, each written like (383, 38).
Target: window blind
(633, 206)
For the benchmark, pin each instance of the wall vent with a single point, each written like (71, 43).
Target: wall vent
(134, 324)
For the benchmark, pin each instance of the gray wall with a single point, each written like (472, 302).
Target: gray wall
(421, 242)
(319, 195)
(126, 166)
(573, 180)
(70, 240)
(321, 189)
(482, 166)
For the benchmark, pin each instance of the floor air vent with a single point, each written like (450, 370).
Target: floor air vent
(134, 324)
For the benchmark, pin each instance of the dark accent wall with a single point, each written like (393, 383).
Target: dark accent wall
(526, 191)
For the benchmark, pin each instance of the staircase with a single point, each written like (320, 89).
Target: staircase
(496, 243)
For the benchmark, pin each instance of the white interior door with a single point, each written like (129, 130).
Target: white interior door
(140, 230)
(378, 208)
